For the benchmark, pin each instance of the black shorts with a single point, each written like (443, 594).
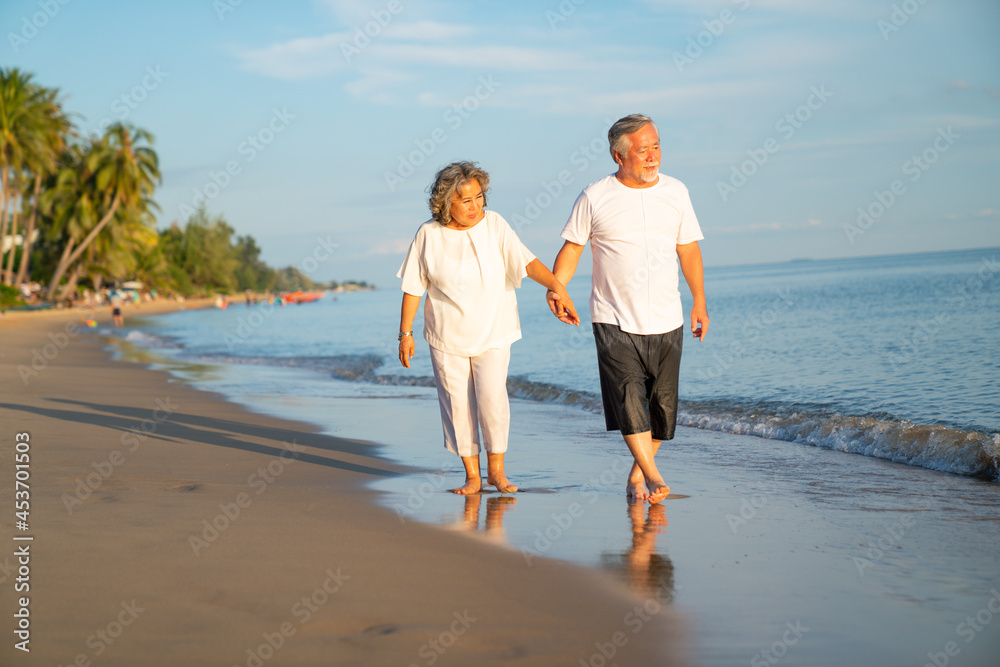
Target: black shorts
(639, 379)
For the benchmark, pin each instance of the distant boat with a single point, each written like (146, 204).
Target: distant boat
(302, 297)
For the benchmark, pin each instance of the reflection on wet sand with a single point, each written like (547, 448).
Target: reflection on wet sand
(647, 573)
(496, 507)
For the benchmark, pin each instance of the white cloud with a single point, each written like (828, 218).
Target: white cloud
(681, 100)
(773, 226)
(390, 247)
(846, 9)
(983, 213)
(485, 57)
(350, 12)
(376, 85)
(416, 62)
(301, 58)
(960, 86)
(320, 56)
(428, 31)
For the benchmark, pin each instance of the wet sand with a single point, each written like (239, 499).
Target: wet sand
(771, 551)
(173, 527)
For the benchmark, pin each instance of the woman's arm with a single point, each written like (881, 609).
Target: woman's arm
(408, 311)
(563, 269)
(541, 275)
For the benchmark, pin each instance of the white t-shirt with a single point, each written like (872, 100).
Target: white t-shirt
(634, 234)
(469, 276)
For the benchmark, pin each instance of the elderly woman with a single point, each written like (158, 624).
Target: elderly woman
(469, 261)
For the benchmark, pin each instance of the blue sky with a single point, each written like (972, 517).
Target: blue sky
(317, 125)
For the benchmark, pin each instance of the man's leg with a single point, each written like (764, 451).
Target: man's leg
(635, 487)
(624, 367)
(662, 358)
(643, 451)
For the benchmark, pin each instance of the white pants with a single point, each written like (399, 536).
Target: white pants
(472, 392)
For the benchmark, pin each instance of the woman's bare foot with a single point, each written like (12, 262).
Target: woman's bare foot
(499, 480)
(496, 475)
(472, 485)
(473, 478)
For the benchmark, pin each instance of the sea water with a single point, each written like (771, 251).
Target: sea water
(894, 357)
(837, 462)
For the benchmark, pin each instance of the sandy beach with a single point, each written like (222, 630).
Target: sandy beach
(247, 523)
(171, 527)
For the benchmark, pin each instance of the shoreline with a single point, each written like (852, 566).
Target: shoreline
(764, 532)
(188, 528)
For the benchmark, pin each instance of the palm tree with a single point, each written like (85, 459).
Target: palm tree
(16, 199)
(150, 261)
(21, 136)
(113, 176)
(118, 253)
(55, 129)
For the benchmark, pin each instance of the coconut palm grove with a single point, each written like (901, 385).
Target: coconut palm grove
(78, 213)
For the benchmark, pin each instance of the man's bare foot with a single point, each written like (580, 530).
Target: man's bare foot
(499, 480)
(657, 490)
(636, 490)
(472, 485)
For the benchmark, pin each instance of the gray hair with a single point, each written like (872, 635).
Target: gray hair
(618, 141)
(448, 182)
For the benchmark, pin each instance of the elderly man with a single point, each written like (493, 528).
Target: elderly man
(640, 223)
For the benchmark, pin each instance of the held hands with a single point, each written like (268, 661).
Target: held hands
(562, 306)
(407, 350)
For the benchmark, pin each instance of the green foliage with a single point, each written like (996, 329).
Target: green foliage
(178, 281)
(10, 296)
(91, 201)
(290, 279)
(204, 251)
(203, 256)
(253, 273)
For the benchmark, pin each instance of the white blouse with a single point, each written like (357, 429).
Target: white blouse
(469, 276)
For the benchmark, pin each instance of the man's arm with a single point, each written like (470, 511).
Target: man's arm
(563, 268)
(689, 256)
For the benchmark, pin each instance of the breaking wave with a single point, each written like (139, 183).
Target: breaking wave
(926, 445)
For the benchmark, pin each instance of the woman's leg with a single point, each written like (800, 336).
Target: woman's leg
(457, 398)
(496, 475)
(473, 477)
(489, 371)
